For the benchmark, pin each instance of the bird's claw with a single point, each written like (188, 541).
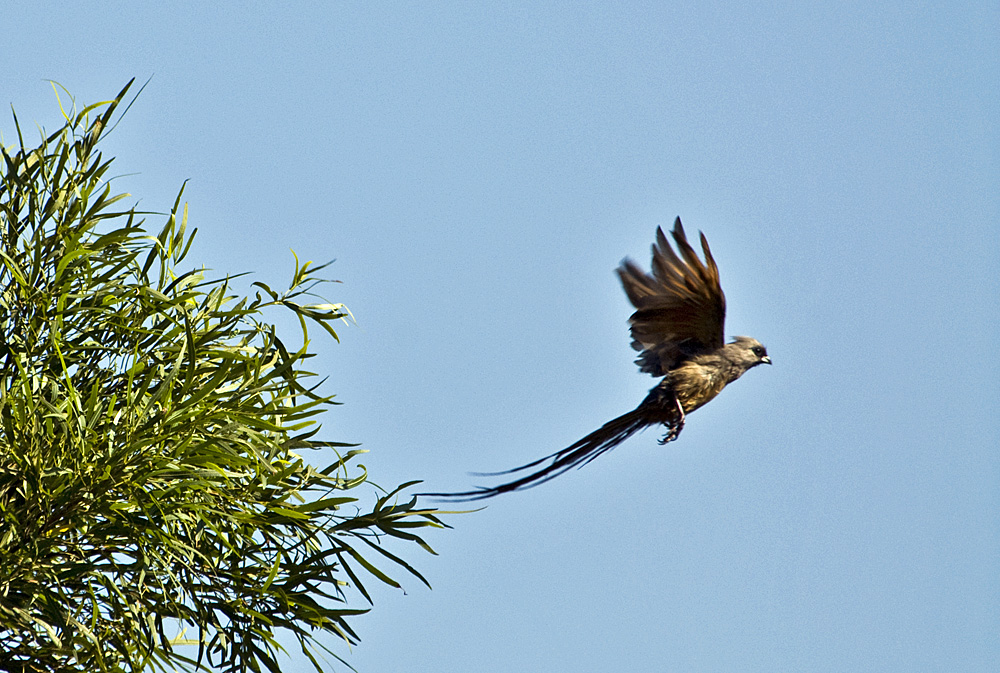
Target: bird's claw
(674, 429)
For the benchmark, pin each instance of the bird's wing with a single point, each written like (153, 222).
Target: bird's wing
(680, 308)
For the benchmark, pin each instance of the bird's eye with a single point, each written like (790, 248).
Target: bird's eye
(757, 350)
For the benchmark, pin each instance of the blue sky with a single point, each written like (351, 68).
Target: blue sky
(478, 170)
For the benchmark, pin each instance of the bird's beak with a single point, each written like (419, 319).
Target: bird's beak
(766, 359)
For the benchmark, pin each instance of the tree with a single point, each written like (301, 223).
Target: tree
(155, 508)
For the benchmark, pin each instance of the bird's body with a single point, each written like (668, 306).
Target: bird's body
(698, 380)
(678, 329)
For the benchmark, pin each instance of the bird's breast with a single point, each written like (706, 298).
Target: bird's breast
(696, 384)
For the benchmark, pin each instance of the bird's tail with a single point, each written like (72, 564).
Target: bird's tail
(605, 438)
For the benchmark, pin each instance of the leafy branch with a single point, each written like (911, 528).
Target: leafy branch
(155, 510)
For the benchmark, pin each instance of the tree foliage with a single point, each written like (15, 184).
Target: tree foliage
(155, 511)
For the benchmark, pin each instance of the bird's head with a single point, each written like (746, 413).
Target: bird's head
(746, 352)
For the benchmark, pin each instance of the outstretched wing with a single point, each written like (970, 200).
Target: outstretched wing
(680, 308)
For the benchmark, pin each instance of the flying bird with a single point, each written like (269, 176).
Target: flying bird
(677, 328)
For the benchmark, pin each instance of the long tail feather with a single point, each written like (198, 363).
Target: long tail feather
(605, 438)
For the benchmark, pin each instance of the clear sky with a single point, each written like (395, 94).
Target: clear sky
(479, 169)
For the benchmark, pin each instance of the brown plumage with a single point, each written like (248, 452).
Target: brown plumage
(677, 328)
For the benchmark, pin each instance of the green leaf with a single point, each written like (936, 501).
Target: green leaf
(151, 420)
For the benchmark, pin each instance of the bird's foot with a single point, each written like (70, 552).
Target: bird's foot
(673, 432)
(674, 429)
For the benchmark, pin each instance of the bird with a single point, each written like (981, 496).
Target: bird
(678, 330)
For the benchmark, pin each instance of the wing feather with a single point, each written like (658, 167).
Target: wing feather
(680, 308)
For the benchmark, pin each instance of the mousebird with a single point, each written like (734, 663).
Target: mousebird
(677, 328)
